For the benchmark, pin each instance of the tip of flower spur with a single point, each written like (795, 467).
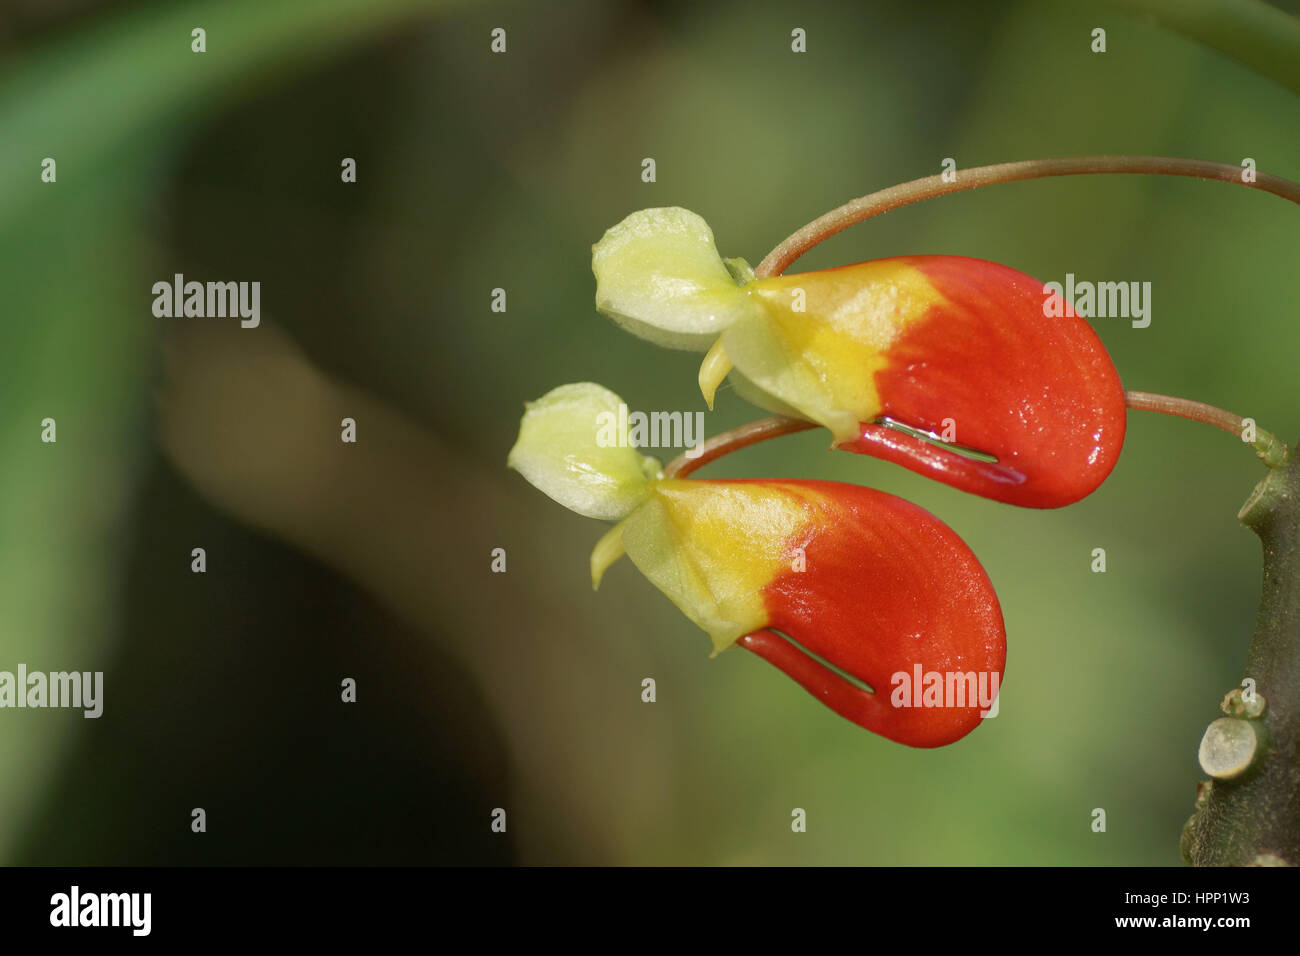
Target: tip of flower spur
(607, 550)
(713, 370)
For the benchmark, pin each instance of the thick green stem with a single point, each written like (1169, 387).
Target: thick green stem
(1254, 818)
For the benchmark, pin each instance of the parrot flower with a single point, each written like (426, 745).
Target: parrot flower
(886, 354)
(834, 584)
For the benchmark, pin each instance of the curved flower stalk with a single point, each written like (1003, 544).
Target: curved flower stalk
(968, 351)
(834, 584)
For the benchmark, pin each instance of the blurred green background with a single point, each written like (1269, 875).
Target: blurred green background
(522, 690)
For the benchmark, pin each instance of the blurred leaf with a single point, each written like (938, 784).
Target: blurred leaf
(1252, 32)
(107, 104)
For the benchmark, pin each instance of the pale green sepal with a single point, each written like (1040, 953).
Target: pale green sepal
(659, 275)
(573, 446)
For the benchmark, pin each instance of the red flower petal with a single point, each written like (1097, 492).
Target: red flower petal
(1040, 394)
(887, 589)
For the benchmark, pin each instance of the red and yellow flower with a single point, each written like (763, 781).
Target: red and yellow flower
(821, 579)
(943, 345)
(860, 596)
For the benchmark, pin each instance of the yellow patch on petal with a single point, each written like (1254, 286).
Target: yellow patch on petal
(713, 546)
(825, 335)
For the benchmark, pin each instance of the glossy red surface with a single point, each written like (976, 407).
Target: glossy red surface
(887, 587)
(1040, 394)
